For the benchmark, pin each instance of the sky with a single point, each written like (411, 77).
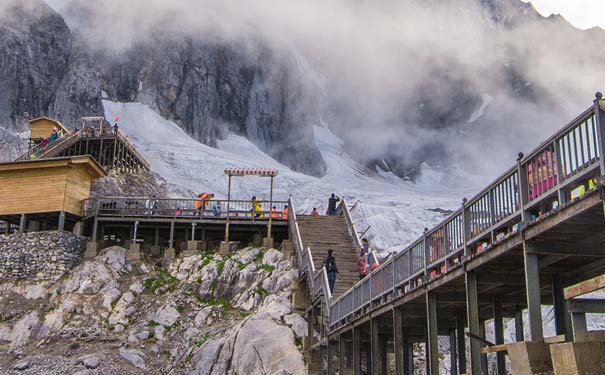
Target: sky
(583, 14)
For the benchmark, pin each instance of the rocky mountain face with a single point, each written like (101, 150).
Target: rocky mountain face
(199, 315)
(211, 86)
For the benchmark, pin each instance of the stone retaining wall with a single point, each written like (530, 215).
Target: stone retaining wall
(39, 256)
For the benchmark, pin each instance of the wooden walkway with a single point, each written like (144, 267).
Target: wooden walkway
(516, 245)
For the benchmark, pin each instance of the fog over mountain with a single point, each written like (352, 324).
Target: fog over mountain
(463, 82)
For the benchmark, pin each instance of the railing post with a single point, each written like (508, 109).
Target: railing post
(466, 228)
(560, 177)
(523, 188)
(427, 252)
(600, 119)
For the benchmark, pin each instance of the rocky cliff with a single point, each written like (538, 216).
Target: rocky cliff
(199, 315)
(428, 93)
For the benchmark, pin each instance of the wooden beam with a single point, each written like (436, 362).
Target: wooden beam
(501, 348)
(585, 287)
(586, 305)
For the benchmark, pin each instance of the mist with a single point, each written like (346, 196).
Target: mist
(396, 78)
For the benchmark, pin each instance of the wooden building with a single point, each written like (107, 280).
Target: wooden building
(46, 192)
(42, 127)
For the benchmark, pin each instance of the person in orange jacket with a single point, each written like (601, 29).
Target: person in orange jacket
(284, 213)
(274, 213)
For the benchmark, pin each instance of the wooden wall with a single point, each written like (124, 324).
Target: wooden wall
(46, 186)
(43, 128)
(32, 190)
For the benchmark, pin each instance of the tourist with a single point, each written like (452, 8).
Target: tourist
(330, 264)
(362, 265)
(115, 128)
(367, 251)
(284, 213)
(332, 204)
(314, 212)
(274, 213)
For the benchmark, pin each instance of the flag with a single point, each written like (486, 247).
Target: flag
(117, 119)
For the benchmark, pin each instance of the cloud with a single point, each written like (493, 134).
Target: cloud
(391, 75)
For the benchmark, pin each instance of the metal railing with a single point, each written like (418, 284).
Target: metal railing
(145, 207)
(344, 210)
(561, 169)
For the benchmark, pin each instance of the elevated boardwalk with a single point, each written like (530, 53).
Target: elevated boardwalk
(536, 230)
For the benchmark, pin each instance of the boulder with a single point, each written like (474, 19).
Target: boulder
(166, 315)
(135, 357)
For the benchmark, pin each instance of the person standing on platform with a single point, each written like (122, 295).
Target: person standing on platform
(332, 204)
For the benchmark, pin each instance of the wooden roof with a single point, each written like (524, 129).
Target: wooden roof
(88, 161)
(59, 125)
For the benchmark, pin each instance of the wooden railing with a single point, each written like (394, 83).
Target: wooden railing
(561, 170)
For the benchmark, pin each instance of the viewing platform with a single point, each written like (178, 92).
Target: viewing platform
(108, 146)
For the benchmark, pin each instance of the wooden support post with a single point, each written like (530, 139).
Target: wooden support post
(472, 311)
(453, 353)
(228, 211)
(156, 237)
(398, 340)
(408, 354)
(376, 352)
(342, 355)
(22, 223)
(383, 356)
(519, 333)
(356, 351)
(432, 333)
(484, 369)
(532, 289)
(61, 226)
(329, 357)
(499, 335)
(560, 309)
(461, 346)
(578, 323)
(171, 240)
(320, 353)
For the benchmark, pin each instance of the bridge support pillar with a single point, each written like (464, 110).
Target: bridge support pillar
(432, 333)
(560, 309)
(484, 364)
(532, 289)
(268, 242)
(453, 353)
(133, 253)
(22, 222)
(519, 333)
(61, 225)
(472, 311)
(376, 347)
(499, 335)
(461, 342)
(356, 351)
(342, 355)
(92, 248)
(226, 248)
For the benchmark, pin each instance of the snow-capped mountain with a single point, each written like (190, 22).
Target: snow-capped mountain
(403, 84)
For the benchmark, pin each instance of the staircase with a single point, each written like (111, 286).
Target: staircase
(321, 233)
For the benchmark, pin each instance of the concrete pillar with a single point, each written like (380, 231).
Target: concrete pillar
(408, 354)
(226, 248)
(519, 334)
(453, 353)
(156, 237)
(532, 289)
(472, 311)
(398, 340)
(432, 334)
(560, 310)
(22, 223)
(499, 334)
(133, 253)
(268, 242)
(170, 252)
(342, 355)
(376, 347)
(461, 344)
(61, 226)
(92, 248)
(356, 351)
(330, 358)
(383, 356)
(484, 369)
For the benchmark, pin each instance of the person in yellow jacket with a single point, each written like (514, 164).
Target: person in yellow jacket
(257, 207)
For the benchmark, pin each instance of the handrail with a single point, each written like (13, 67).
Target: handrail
(344, 209)
(568, 159)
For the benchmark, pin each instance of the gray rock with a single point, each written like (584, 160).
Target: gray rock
(135, 357)
(143, 335)
(167, 315)
(90, 361)
(21, 365)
